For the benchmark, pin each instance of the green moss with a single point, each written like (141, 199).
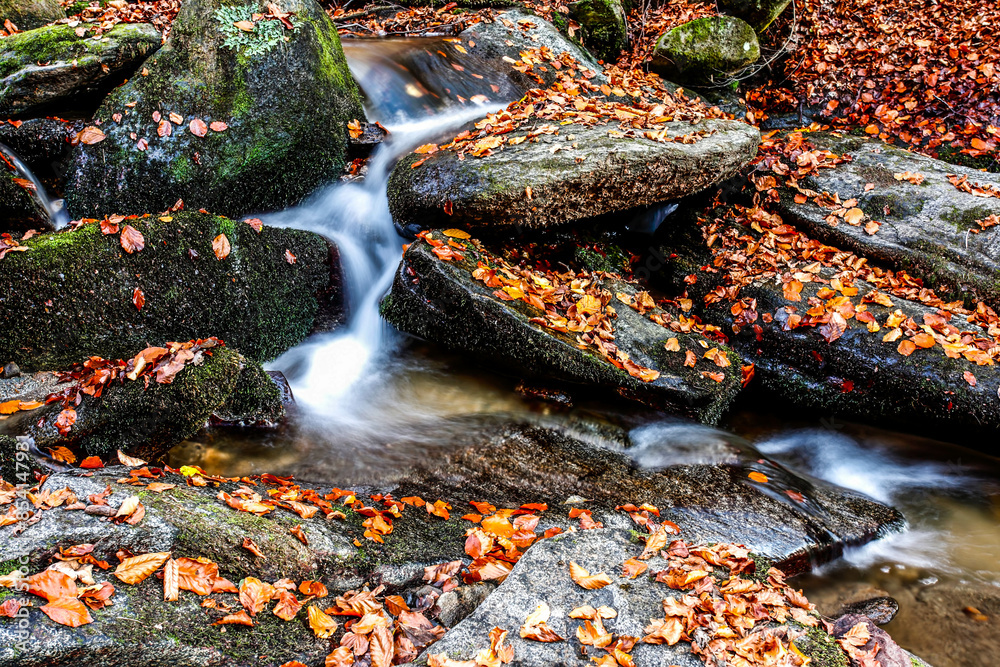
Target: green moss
(72, 291)
(822, 649)
(952, 155)
(256, 399)
(603, 23)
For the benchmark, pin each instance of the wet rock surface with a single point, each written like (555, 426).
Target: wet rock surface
(269, 155)
(576, 174)
(30, 14)
(505, 468)
(73, 66)
(72, 293)
(19, 209)
(928, 228)
(442, 302)
(858, 374)
(605, 30)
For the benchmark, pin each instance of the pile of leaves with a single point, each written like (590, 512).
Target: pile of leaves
(922, 73)
(412, 22)
(638, 102)
(103, 16)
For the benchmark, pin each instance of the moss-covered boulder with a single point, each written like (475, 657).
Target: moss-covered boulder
(256, 400)
(860, 373)
(923, 222)
(73, 66)
(20, 209)
(581, 173)
(605, 32)
(443, 302)
(73, 293)
(230, 120)
(758, 13)
(30, 14)
(705, 51)
(144, 421)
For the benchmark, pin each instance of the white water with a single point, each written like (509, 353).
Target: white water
(53, 208)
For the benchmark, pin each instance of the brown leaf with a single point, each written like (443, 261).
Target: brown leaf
(256, 223)
(321, 623)
(289, 257)
(90, 135)
(138, 298)
(132, 239)
(382, 648)
(68, 611)
(288, 606)
(171, 580)
(239, 618)
(221, 247)
(255, 594)
(198, 128)
(633, 567)
(164, 129)
(65, 421)
(218, 126)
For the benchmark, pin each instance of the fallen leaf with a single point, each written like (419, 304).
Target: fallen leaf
(221, 247)
(584, 579)
(136, 569)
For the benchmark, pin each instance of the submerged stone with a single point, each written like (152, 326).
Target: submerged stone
(73, 66)
(926, 225)
(230, 120)
(706, 50)
(580, 173)
(442, 302)
(72, 294)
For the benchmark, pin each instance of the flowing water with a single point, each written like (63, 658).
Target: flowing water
(57, 215)
(370, 400)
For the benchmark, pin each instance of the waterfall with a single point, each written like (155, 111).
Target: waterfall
(53, 208)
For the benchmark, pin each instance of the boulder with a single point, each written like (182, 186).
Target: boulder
(858, 374)
(579, 173)
(443, 302)
(256, 399)
(30, 14)
(927, 226)
(73, 294)
(75, 66)
(605, 31)
(139, 420)
(542, 577)
(758, 13)
(20, 210)
(705, 51)
(278, 99)
(507, 464)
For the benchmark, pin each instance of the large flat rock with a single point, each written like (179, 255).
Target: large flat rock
(579, 173)
(925, 226)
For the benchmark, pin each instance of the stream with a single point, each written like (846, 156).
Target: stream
(370, 400)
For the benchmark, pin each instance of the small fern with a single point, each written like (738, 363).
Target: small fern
(267, 33)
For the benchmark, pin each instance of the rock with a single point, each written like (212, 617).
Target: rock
(925, 227)
(76, 67)
(442, 302)
(256, 400)
(9, 371)
(602, 174)
(858, 375)
(605, 31)
(43, 144)
(71, 294)
(27, 387)
(20, 210)
(880, 610)
(705, 51)
(758, 13)
(881, 644)
(285, 106)
(30, 14)
(509, 464)
(542, 576)
(143, 421)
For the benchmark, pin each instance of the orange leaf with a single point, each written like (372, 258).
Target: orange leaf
(221, 247)
(970, 378)
(198, 127)
(65, 421)
(92, 463)
(322, 624)
(138, 298)
(132, 239)
(906, 347)
(90, 135)
(633, 567)
(68, 611)
(585, 579)
(136, 569)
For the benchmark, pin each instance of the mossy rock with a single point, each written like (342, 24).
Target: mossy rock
(605, 32)
(30, 14)
(145, 421)
(705, 51)
(256, 400)
(758, 13)
(70, 295)
(19, 209)
(285, 96)
(441, 302)
(75, 66)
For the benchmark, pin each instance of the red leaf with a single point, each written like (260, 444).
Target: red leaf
(138, 298)
(132, 239)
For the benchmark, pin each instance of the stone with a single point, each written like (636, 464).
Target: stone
(30, 14)
(76, 66)
(758, 13)
(441, 301)
(705, 51)
(605, 30)
(20, 209)
(603, 174)
(283, 108)
(927, 228)
(71, 294)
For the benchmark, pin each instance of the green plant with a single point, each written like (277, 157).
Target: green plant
(266, 34)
